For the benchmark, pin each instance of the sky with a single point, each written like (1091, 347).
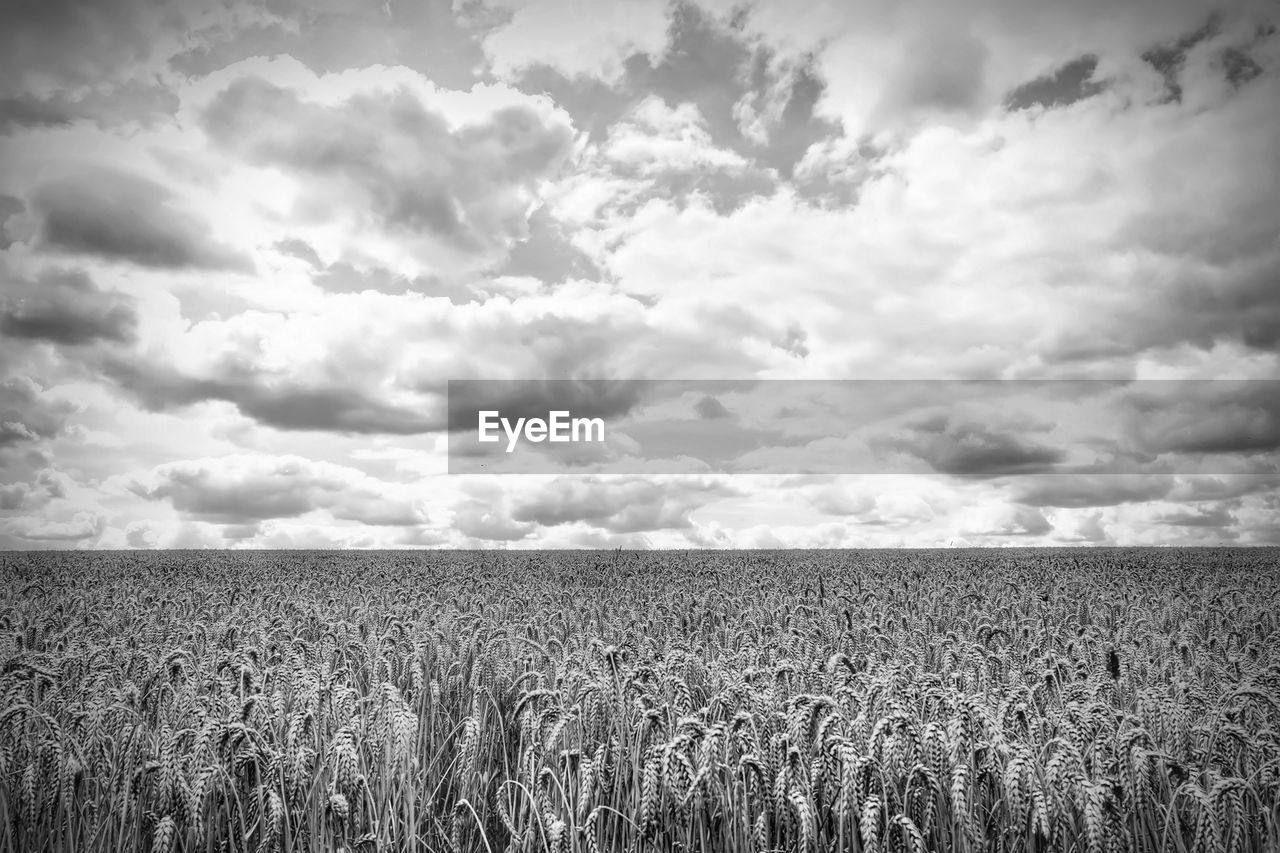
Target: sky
(244, 247)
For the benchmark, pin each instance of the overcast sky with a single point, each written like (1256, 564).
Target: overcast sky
(243, 245)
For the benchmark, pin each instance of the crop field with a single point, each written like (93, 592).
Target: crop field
(1093, 700)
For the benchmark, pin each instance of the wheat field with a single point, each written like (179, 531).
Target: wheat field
(1099, 700)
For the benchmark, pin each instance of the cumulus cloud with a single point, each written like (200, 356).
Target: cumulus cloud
(1216, 516)
(137, 102)
(48, 485)
(618, 505)
(438, 38)
(245, 489)
(370, 363)
(292, 404)
(1007, 521)
(63, 44)
(40, 530)
(28, 413)
(112, 214)
(65, 307)
(1071, 82)
(972, 450)
(576, 39)
(391, 160)
(1227, 417)
(535, 398)
(1082, 490)
(656, 137)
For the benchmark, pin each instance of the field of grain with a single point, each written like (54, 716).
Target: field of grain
(583, 701)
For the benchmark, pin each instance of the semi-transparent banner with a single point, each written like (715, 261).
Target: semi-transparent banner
(963, 428)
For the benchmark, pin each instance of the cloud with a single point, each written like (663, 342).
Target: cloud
(619, 506)
(547, 254)
(535, 398)
(986, 188)
(1169, 59)
(244, 489)
(373, 362)
(48, 485)
(1218, 516)
(710, 409)
(281, 402)
(1008, 521)
(65, 307)
(1083, 530)
(118, 215)
(941, 70)
(485, 516)
(575, 39)
(751, 101)
(389, 160)
(655, 137)
(81, 526)
(1227, 417)
(64, 44)
(972, 450)
(438, 38)
(1062, 87)
(27, 413)
(880, 502)
(1082, 490)
(134, 102)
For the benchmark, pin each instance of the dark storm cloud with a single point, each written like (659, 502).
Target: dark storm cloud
(1066, 85)
(534, 398)
(971, 450)
(118, 215)
(27, 413)
(65, 307)
(284, 404)
(618, 506)
(247, 489)
(389, 154)
(1084, 490)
